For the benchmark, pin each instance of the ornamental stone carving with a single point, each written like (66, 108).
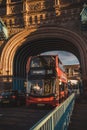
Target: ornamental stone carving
(36, 6)
(15, 9)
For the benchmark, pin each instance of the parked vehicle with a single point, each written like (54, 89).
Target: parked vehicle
(12, 98)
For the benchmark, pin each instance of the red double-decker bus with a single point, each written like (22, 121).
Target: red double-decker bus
(46, 81)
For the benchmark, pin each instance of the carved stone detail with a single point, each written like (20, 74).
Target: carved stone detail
(15, 9)
(36, 6)
(12, 9)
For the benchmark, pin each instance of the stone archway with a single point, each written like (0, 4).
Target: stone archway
(30, 36)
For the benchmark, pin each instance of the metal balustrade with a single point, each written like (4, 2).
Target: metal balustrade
(59, 118)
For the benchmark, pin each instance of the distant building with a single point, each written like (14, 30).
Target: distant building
(73, 72)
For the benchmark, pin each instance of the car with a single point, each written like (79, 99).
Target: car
(13, 98)
(4, 98)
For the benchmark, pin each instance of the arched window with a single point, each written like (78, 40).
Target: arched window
(36, 20)
(10, 22)
(41, 17)
(30, 20)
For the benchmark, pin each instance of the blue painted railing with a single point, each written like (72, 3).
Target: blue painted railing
(59, 118)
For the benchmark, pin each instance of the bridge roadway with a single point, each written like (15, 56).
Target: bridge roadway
(20, 118)
(79, 116)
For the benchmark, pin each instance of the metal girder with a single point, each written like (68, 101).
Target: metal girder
(3, 31)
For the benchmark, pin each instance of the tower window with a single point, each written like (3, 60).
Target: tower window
(15, 0)
(30, 20)
(36, 19)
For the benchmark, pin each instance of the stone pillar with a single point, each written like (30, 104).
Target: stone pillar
(25, 9)
(8, 7)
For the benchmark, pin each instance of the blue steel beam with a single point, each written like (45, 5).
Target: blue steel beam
(3, 30)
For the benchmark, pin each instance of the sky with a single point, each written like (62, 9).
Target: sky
(67, 58)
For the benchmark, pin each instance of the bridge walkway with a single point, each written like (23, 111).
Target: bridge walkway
(79, 116)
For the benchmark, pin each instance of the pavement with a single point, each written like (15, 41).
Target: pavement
(78, 119)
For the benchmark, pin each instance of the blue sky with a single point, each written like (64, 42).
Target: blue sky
(67, 58)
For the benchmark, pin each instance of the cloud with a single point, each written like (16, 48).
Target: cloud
(67, 58)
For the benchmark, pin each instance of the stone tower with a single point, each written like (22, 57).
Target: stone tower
(21, 14)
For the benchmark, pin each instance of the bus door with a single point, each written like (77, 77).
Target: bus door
(62, 93)
(47, 87)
